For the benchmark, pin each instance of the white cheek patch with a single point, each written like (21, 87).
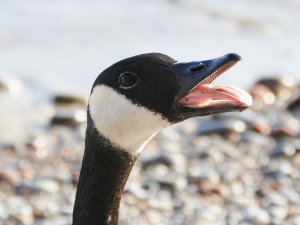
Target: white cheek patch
(125, 124)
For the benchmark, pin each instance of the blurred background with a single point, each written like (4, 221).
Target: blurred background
(229, 169)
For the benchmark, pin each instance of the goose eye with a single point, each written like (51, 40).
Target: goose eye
(128, 80)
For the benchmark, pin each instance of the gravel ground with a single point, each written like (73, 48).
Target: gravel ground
(236, 168)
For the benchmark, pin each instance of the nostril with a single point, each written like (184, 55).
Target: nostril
(198, 67)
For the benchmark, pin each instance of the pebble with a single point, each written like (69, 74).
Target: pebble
(295, 220)
(69, 111)
(61, 99)
(294, 105)
(283, 149)
(26, 189)
(161, 159)
(262, 95)
(221, 126)
(10, 85)
(206, 187)
(256, 215)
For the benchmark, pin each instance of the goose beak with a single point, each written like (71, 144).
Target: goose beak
(196, 96)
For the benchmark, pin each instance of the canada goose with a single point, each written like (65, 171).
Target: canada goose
(129, 103)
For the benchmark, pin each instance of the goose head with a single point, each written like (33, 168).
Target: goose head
(135, 98)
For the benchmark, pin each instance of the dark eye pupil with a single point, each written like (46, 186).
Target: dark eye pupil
(127, 80)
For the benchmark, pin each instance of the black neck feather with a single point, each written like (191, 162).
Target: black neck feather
(104, 172)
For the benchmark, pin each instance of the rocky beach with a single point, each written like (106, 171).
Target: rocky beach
(230, 169)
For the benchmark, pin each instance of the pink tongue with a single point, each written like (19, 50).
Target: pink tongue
(209, 95)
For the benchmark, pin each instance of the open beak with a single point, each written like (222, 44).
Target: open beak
(197, 97)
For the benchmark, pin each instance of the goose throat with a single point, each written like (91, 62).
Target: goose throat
(126, 125)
